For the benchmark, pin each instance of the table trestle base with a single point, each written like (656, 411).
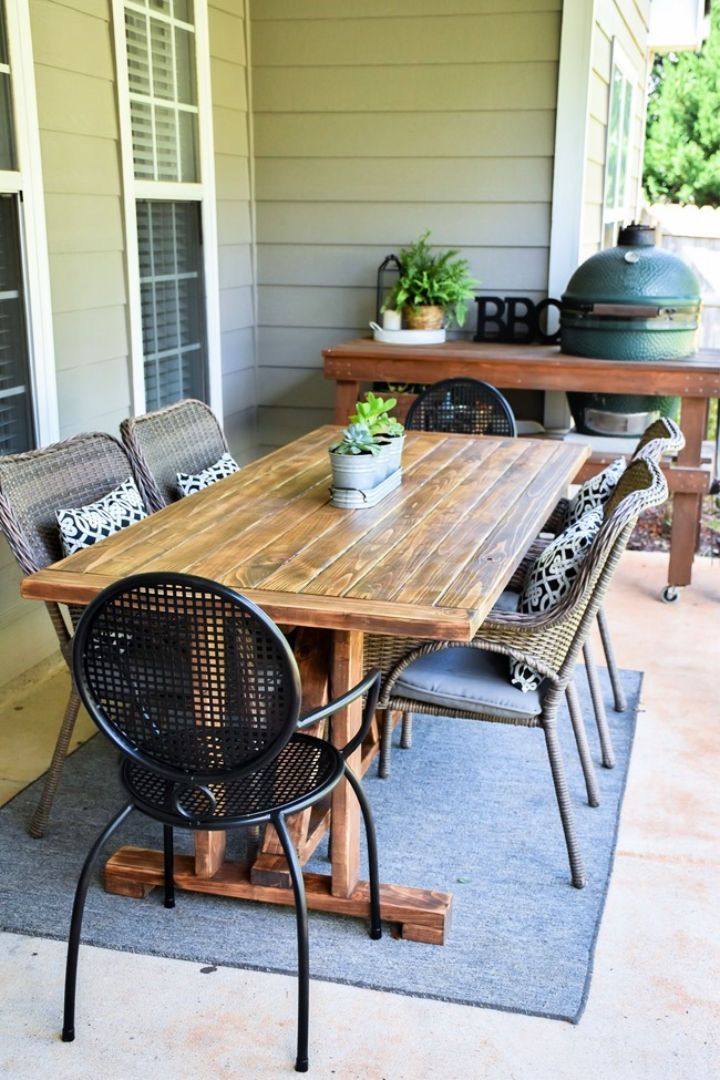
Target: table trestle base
(423, 914)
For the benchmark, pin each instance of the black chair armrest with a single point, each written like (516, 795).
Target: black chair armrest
(370, 685)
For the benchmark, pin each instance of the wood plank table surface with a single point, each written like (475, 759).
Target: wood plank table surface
(428, 561)
(543, 367)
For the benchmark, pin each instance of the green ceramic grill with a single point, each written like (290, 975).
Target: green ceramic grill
(630, 302)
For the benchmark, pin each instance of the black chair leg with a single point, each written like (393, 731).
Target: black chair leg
(301, 1062)
(375, 926)
(68, 1031)
(168, 855)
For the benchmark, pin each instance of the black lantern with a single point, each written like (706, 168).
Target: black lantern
(387, 275)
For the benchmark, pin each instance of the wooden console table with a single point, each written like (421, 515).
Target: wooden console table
(543, 367)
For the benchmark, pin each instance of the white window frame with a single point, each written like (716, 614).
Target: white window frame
(26, 182)
(202, 193)
(623, 210)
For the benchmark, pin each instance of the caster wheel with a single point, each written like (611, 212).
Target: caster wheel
(670, 594)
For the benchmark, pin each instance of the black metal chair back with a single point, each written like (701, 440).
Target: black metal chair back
(186, 677)
(462, 406)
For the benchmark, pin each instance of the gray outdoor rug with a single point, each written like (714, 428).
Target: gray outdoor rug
(470, 809)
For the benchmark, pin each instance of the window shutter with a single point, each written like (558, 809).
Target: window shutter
(16, 427)
(7, 149)
(163, 102)
(172, 301)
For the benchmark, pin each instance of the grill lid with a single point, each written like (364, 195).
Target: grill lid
(634, 280)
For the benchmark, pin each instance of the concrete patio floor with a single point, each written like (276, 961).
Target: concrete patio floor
(654, 1006)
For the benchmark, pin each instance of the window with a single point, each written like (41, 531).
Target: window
(28, 410)
(617, 200)
(17, 431)
(163, 86)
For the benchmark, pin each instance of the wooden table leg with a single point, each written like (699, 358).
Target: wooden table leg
(312, 652)
(346, 394)
(347, 671)
(687, 507)
(209, 853)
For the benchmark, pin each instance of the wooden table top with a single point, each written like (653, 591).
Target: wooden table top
(541, 367)
(428, 561)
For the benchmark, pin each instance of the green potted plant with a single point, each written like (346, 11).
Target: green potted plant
(355, 460)
(433, 288)
(387, 432)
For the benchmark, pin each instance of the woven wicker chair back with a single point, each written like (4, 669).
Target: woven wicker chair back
(662, 437)
(549, 641)
(184, 437)
(36, 484)
(186, 677)
(462, 406)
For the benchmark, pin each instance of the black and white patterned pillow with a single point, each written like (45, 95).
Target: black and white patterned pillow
(189, 484)
(550, 579)
(82, 526)
(596, 491)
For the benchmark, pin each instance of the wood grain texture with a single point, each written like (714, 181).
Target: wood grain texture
(539, 367)
(427, 561)
(135, 871)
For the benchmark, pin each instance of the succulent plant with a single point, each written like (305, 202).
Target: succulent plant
(356, 439)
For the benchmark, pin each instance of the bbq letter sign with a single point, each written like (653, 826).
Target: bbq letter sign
(514, 319)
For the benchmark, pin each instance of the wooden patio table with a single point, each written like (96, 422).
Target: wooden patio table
(543, 367)
(428, 561)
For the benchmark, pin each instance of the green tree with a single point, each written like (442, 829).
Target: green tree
(682, 151)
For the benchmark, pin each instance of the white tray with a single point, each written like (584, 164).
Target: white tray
(355, 498)
(408, 337)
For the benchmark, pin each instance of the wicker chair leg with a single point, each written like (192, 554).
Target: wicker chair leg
(385, 744)
(606, 746)
(618, 692)
(577, 869)
(591, 785)
(41, 817)
(406, 731)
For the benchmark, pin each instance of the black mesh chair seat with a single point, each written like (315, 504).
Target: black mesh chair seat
(303, 771)
(200, 691)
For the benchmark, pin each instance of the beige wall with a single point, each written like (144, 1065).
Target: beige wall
(371, 123)
(626, 20)
(79, 137)
(228, 71)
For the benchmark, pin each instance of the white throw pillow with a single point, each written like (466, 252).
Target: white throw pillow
(596, 491)
(550, 579)
(82, 526)
(189, 484)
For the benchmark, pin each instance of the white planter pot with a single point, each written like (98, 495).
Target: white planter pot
(391, 453)
(358, 472)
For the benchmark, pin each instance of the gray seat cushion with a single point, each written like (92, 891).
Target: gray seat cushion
(467, 679)
(507, 601)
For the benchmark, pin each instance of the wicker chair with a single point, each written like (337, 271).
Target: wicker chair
(32, 487)
(217, 743)
(662, 438)
(465, 406)
(549, 643)
(184, 437)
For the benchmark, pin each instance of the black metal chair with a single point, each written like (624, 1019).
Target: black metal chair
(200, 692)
(464, 406)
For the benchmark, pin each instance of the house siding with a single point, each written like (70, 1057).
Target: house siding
(80, 145)
(628, 22)
(371, 127)
(229, 78)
